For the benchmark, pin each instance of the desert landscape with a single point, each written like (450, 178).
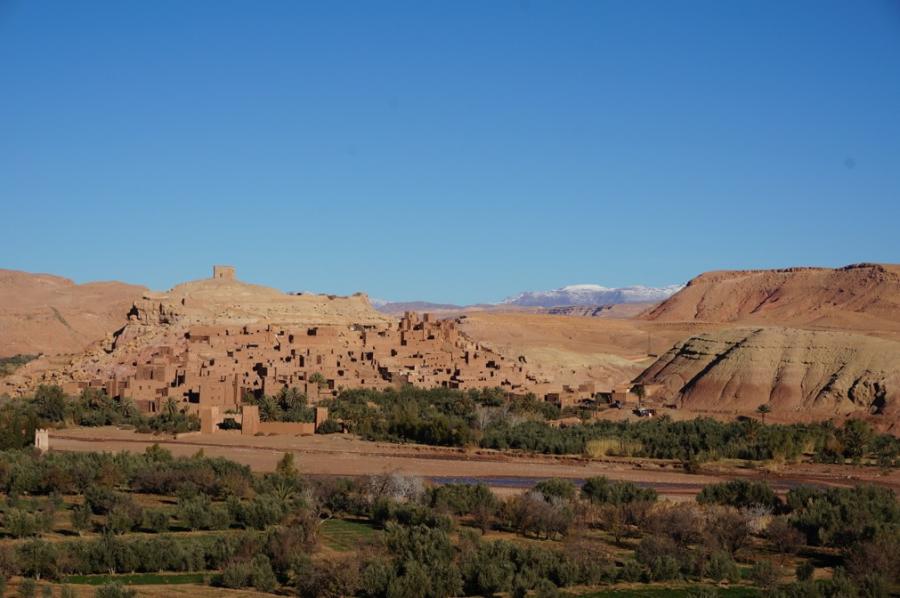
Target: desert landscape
(764, 369)
(510, 299)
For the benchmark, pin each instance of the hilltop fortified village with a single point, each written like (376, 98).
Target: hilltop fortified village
(211, 360)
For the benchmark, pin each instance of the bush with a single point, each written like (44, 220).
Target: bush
(721, 566)
(805, 571)
(599, 490)
(114, 590)
(262, 577)
(839, 517)
(156, 520)
(765, 575)
(331, 579)
(236, 575)
(556, 488)
(631, 572)
(742, 494)
(531, 514)
(196, 513)
(21, 523)
(661, 556)
(329, 426)
(728, 528)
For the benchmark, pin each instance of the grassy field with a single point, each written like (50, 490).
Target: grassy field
(345, 535)
(138, 579)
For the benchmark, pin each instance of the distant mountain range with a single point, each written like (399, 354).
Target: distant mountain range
(572, 295)
(592, 294)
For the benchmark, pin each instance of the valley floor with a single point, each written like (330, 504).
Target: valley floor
(505, 472)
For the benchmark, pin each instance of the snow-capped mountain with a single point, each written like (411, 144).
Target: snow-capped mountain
(592, 294)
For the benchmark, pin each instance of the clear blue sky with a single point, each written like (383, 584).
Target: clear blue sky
(450, 151)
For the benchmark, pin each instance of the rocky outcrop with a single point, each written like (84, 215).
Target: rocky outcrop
(810, 374)
(231, 302)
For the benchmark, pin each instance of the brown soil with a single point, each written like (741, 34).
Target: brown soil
(40, 313)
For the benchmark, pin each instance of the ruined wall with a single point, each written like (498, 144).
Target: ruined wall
(294, 428)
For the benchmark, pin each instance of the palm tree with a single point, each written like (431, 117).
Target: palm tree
(171, 407)
(762, 410)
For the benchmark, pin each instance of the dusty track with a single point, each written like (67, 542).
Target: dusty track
(348, 456)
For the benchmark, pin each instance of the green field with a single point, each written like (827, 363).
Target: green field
(345, 535)
(137, 579)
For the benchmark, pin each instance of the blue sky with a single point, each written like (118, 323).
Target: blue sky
(448, 151)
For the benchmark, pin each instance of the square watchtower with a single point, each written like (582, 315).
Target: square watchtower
(223, 272)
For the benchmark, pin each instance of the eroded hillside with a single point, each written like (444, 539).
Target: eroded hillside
(861, 298)
(40, 313)
(799, 374)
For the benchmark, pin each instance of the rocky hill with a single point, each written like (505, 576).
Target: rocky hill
(232, 302)
(105, 321)
(40, 313)
(800, 374)
(862, 297)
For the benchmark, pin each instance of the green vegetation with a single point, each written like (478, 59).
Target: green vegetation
(345, 535)
(289, 405)
(141, 579)
(116, 520)
(741, 494)
(485, 418)
(50, 407)
(212, 521)
(490, 420)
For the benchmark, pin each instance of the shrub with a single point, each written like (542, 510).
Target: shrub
(21, 523)
(156, 520)
(728, 528)
(600, 490)
(236, 575)
(721, 566)
(262, 577)
(631, 571)
(331, 579)
(764, 574)
(80, 517)
(783, 537)
(462, 499)
(556, 488)
(739, 493)
(196, 512)
(841, 516)
(805, 571)
(114, 590)
(661, 556)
